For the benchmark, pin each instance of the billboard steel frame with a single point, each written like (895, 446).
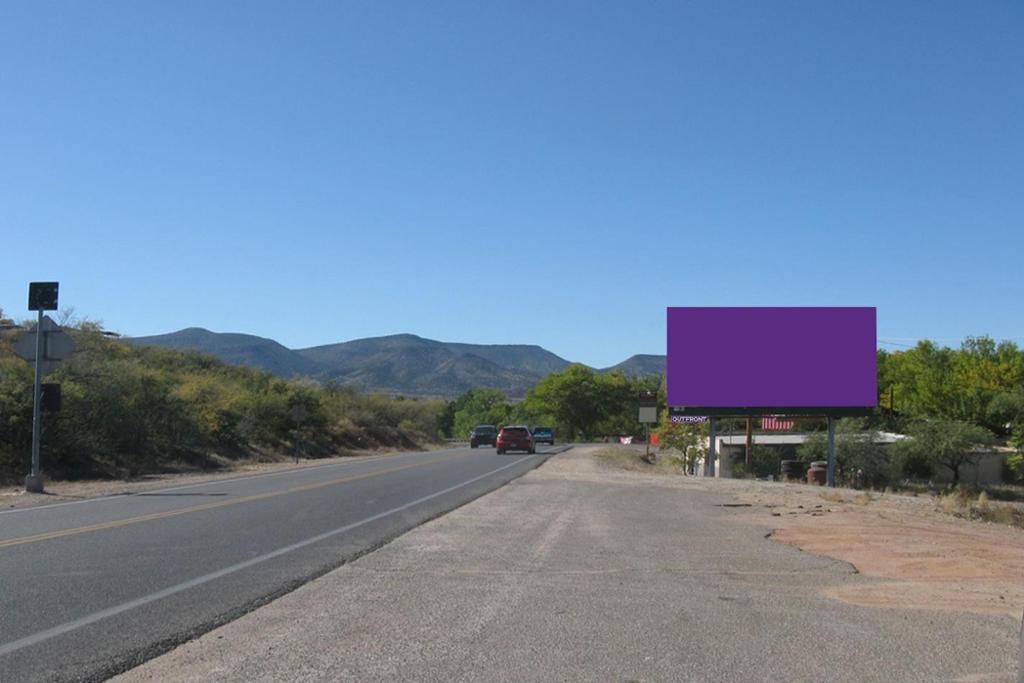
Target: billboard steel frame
(710, 462)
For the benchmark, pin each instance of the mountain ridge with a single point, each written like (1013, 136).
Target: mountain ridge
(402, 363)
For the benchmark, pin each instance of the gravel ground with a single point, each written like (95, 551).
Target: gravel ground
(582, 571)
(929, 557)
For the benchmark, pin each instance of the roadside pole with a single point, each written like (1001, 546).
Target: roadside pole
(750, 440)
(648, 415)
(34, 481)
(831, 476)
(709, 461)
(42, 296)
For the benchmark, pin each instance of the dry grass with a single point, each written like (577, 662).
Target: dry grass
(863, 499)
(833, 497)
(630, 458)
(860, 499)
(962, 503)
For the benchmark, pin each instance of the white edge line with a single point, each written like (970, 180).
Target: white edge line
(66, 627)
(244, 477)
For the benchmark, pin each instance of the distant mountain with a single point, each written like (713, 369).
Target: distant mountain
(396, 364)
(237, 349)
(640, 365)
(526, 357)
(530, 359)
(405, 363)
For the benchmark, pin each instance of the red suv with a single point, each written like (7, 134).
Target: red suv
(515, 438)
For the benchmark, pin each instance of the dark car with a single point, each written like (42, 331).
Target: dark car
(515, 438)
(483, 435)
(544, 435)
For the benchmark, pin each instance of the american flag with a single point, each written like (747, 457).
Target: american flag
(776, 423)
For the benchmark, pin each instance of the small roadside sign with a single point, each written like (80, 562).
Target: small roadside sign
(648, 414)
(648, 399)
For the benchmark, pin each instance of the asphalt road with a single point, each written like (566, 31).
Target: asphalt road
(92, 588)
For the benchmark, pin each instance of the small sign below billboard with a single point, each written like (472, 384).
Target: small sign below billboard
(648, 414)
(689, 419)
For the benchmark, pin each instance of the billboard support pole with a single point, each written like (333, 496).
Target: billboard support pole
(831, 452)
(750, 442)
(709, 461)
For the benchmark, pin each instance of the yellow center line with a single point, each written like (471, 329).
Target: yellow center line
(212, 506)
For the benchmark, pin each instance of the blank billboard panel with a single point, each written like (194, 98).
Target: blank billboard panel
(775, 358)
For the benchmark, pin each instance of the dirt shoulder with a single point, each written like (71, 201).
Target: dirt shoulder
(927, 557)
(65, 491)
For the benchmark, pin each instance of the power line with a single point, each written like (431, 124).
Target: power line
(892, 343)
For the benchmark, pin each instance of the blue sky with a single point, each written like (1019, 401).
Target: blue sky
(513, 172)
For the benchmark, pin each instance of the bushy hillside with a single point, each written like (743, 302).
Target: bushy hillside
(129, 410)
(237, 349)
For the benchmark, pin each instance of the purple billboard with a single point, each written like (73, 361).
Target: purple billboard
(751, 360)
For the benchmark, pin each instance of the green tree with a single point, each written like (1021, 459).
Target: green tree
(764, 461)
(860, 459)
(575, 397)
(480, 406)
(947, 443)
(617, 401)
(1006, 411)
(963, 384)
(689, 440)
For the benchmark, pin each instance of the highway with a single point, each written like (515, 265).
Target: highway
(89, 589)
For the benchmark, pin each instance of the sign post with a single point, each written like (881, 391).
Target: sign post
(42, 296)
(648, 400)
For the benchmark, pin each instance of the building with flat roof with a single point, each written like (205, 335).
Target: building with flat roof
(731, 448)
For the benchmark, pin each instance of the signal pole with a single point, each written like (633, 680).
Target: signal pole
(42, 296)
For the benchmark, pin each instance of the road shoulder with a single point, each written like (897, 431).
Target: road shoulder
(579, 572)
